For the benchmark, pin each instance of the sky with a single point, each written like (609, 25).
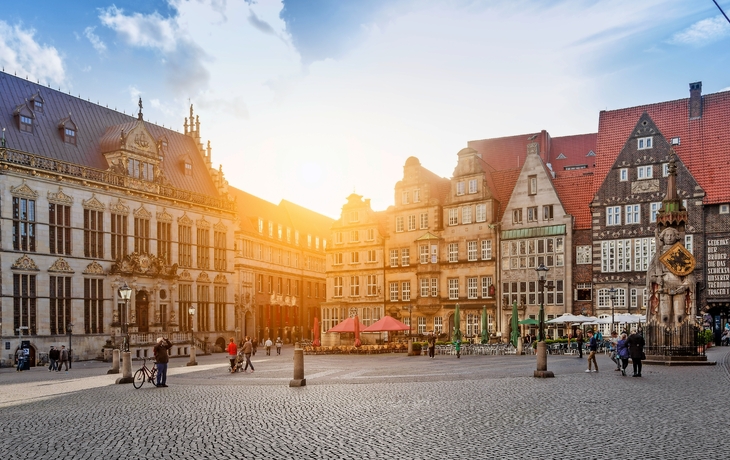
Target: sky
(312, 100)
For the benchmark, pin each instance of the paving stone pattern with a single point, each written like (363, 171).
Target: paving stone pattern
(368, 407)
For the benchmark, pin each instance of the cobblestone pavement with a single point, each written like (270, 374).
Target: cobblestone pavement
(381, 406)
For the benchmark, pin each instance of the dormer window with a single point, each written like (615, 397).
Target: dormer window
(69, 136)
(188, 169)
(36, 102)
(26, 124)
(38, 106)
(67, 129)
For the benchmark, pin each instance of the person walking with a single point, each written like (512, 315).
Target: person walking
(579, 340)
(613, 341)
(457, 345)
(278, 345)
(162, 357)
(268, 345)
(593, 348)
(432, 346)
(622, 350)
(232, 354)
(63, 358)
(636, 351)
(247, 350)
(53, 356)
(19, 359)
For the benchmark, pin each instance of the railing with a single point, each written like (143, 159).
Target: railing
(90, 174)
(684, 340)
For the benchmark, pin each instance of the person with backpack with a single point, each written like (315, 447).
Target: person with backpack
(593, 348)
(162, 357)
(247, 350)
(53, 357)
(636, 351)
(278, 345)
(268, 345)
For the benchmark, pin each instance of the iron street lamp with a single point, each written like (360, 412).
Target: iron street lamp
(125, 292)
(612, 293)
(191, 312)
(69, 328)
(541, 345)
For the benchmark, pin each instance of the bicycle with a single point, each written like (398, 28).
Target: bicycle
(143, 374)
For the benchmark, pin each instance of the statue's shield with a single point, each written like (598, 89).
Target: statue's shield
(678, 260)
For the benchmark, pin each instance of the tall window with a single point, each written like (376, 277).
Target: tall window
(486, 249)
(454, 289)
(393, 257)
(59, 228)
(203, 308)
(93, 234)
(23, 224)
(393, 291)
(460, 188)
(399, 224)
(472, 185)
(481, 212)
(472, 287)
(471, 250)
(517, 216)
(93, 305)
(532, 185)
(424, 220)
(24, 304)
(547, 212)
(613, 215)
(203, 250)
(486, 285)
(372, 257)
(423, 253)
(337, 287)
(532, 214)
(632, 214)
(411, 222)
(119, 236)
(219, 307)
(59, 293)
(654, 208)
(354, 286)
(164, 241)
(141, 235)
(185, 245)
(417, 195)
(405, 257)
(372, 285)
(435, 287)
(453, 252)
(438, 324)
(219, 252)
(185, 301)
(406, 290)
(425, 286)
(454, 216)
(466, 215)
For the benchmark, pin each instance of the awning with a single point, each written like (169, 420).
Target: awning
(550, 230)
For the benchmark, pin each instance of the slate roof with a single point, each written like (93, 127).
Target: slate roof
(93, 122)
(703, 141)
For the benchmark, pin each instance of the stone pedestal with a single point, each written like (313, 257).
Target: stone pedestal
(126, 368)
(115, 363)
(298, 380)
(542, 371)
(520, 346)
(192, 361)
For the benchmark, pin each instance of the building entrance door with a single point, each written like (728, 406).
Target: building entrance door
(142, 309)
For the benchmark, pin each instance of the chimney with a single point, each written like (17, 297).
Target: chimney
(695, 100)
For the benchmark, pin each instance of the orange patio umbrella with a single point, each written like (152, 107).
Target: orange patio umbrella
(348, 325)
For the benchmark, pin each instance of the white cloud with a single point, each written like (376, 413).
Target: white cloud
(703, 32)
(22, 54)
(95, 41)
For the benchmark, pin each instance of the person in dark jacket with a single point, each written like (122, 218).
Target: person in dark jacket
(579, 340)
(162, 357)
(622, 351)
(247, 349)
(636, 351)
(53, 356)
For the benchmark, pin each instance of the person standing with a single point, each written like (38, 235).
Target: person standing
(457, 345)
(162, 358)
(63, 358)
(20, 359)
(268, 345)
(278, 345)
(622, 350)
(636, 351)
(232, 354)
(579, 340)
(247, 349)
(614, 352)
(53, 358)
(432, 346)
(593, 348)
(254, 345)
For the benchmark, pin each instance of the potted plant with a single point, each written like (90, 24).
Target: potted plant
(416, 347)
(707, 338)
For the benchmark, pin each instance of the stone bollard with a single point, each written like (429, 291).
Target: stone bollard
(542, 371)
(520, 346)
(298, 380)
(115, 362)
(192, 361)
(126, 368)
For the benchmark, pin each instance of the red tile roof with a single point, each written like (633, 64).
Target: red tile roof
(504, 183)
(572, 151)
(703, 145)
(575, 193)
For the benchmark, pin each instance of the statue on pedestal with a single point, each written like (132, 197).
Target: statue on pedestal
(671, 283)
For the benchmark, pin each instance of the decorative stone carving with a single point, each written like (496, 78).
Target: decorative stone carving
(25, 263)
(164, 216)
(61, 266)
(203, 278)
(60, 198)
(23, 191)
(185, 276)
(220, 227)
(119, 208)
(185, 220)
(144, 264)
(645, 186)
(93, 203)
(142, 213)
(220, 279)
(94, 268)
(202, 223)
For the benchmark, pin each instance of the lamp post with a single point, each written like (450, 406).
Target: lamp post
(69, 328)
(191, 312)
(125, 292)
(612, 292)
(541, 345)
